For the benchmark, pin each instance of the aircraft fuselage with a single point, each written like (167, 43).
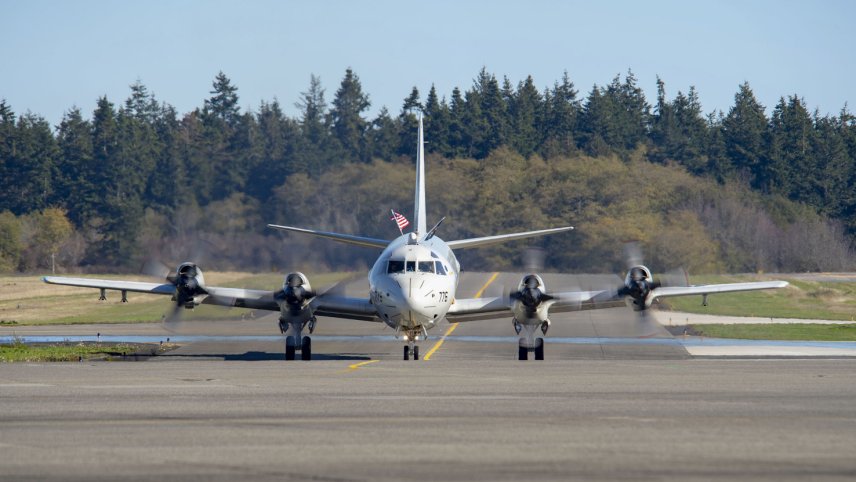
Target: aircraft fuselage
(413, 283)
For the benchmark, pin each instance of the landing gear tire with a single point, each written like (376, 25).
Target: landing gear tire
(406, 352)
(306, 349)
(539, 350)
(289, 348)
(522, 353)
(416, 352)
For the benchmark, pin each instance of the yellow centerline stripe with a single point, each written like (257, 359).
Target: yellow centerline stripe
(358, 365)
(455, 325)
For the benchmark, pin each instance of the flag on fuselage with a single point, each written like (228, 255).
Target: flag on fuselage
(400, 220)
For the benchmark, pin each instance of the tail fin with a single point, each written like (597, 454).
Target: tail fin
(419, 214)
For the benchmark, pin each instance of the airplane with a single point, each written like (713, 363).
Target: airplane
(413, 287)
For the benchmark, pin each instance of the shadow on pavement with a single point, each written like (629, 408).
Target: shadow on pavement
(262, 356)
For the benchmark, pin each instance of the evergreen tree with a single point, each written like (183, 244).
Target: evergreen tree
(663, 127)
(8, 134)
(408, 124)
(719, 164)
(526, 113)
(787, 167)
(348, 124)
(597, 125)
(278, 139)
(384, 136)
(77, 188)
(30, 166)
(493, 110)
(743, 130)
(458, 136)
(223, 103)
(313, 153)
(833, 166)
(167, 188)
(436, 124)
(562, 109)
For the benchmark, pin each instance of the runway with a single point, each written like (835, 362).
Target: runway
(441, 420)
(225, 409)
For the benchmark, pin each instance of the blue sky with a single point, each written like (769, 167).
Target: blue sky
(57, 54)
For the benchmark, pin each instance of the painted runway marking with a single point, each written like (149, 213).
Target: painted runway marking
(455, 325)
(356, 366)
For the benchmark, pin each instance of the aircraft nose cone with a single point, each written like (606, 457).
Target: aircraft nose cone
(417, 305)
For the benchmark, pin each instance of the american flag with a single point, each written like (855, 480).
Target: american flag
(400, 220)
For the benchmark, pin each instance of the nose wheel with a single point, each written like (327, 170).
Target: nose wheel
(411, 348)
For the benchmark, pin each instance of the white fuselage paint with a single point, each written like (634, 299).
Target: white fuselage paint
(415, 295)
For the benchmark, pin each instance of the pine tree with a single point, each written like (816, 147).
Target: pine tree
(526, 111)
(77, 190)
(408, 123)
(223, 103)
(384, 136)
(348, 124)
(743, 130)
(436, 124)
(494, 112)
(562, 109)
(314, 148)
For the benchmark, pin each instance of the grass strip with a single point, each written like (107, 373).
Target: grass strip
(779, 331)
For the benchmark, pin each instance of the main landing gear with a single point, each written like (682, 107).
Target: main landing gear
(523, 349)
(291, 348)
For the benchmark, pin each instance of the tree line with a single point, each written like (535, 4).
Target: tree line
(138, 177)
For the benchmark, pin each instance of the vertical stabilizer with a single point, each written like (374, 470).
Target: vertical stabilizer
(419, 203)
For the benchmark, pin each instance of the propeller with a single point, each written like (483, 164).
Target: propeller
(294, 293)
(638, 285)
(530, 294)
(187, 283)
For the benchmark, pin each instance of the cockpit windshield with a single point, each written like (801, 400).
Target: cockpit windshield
(400, 266)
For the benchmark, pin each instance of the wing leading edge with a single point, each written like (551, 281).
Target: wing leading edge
(325, 305)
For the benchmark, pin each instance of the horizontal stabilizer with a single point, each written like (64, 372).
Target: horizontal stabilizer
(342, 238)
(502, 238)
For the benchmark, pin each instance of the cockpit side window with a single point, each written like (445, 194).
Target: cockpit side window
(411, 266)
(426, 266)
(395, 266)
(440, 269)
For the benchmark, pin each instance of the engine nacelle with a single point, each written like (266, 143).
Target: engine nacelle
(189, 285)
(531, 303)
(638, 285)
(295, 301)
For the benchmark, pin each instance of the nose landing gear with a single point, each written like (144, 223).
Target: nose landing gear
(411, 348)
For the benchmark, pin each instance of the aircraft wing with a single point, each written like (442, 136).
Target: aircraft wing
(336, 306)
(502, 238)
(342, 238)
(135, 286)
(239, 297)
(473, 309)
(664, 291)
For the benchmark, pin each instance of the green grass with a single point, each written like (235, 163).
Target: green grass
(780, 331)
(802, 299)
(18, 351)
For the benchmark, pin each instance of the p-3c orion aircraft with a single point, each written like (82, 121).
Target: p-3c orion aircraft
(412, 288)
